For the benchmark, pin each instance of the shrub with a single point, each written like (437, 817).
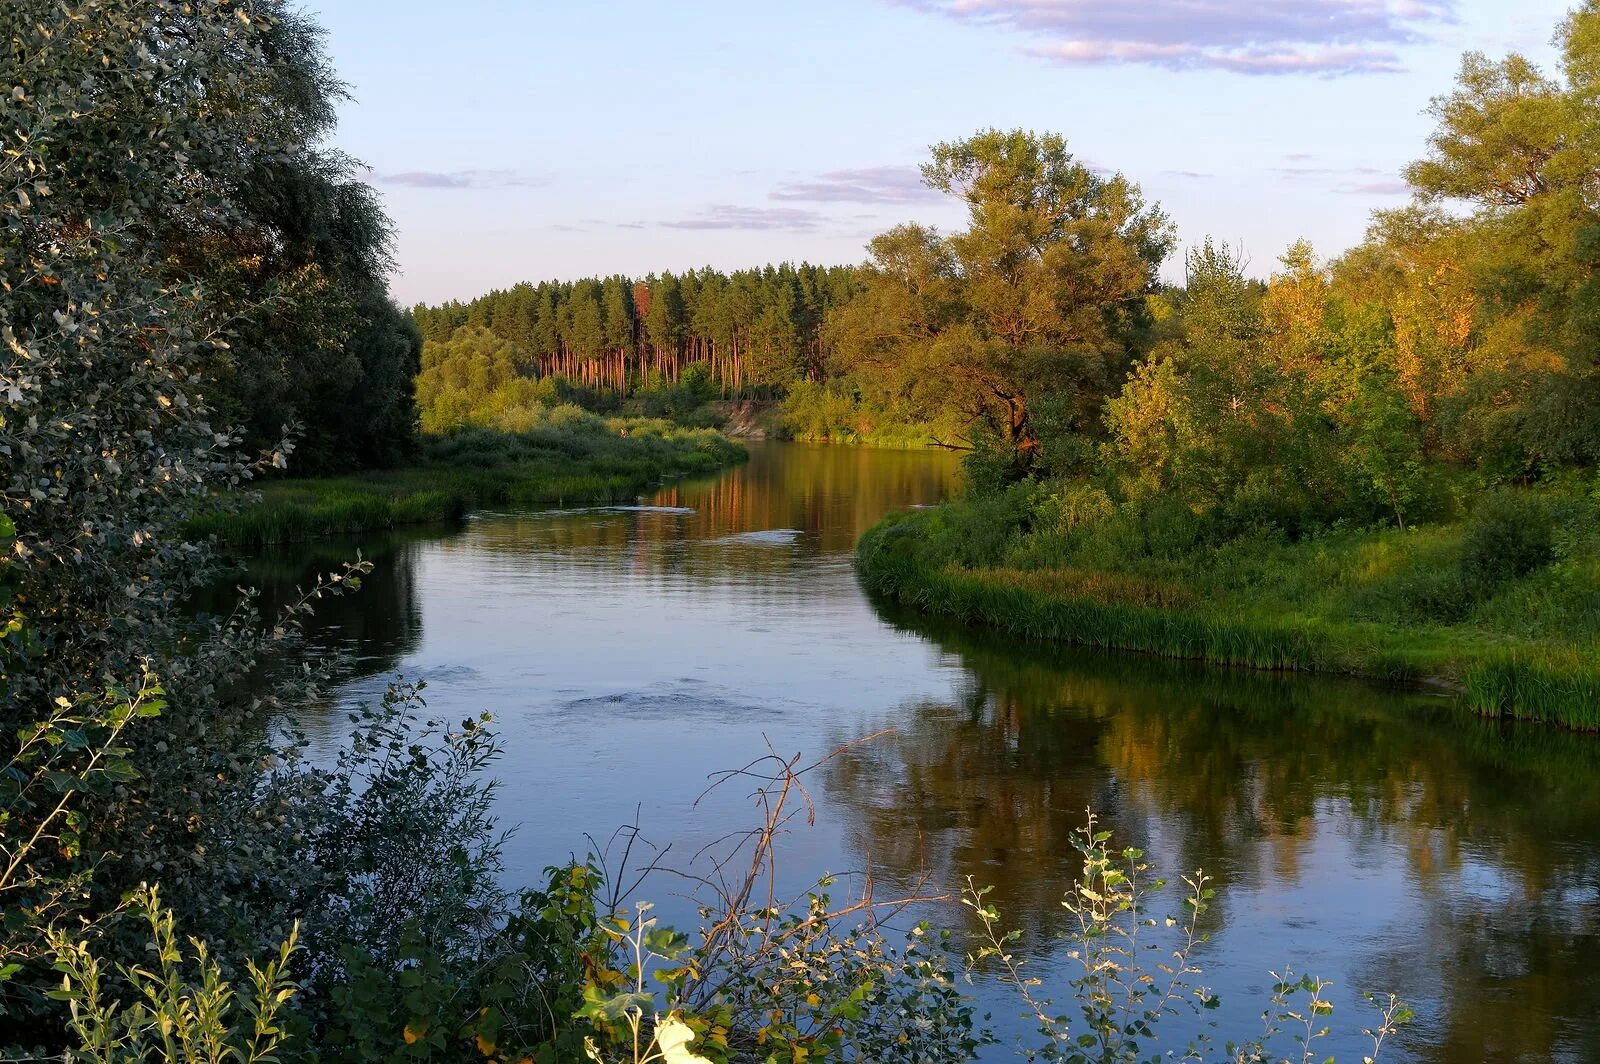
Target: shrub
(1510, 534)
(1075, 506)
(1271, 501)
(132, 1014)
(1171, 527)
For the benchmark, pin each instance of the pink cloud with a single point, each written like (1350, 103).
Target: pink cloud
(723, 216)
(875, 184)
(1324, 37)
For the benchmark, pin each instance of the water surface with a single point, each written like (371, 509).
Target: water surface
(1370, 836)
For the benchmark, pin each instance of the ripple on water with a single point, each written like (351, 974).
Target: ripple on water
(682, 699)
(767, 537)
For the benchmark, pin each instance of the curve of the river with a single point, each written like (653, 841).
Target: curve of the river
(1372, 837)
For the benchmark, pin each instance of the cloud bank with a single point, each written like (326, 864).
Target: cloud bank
(1324, 37)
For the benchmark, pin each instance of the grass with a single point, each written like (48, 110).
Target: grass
(1414, 607)
(570, 458)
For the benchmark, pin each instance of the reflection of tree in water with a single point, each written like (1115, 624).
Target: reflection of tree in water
(1499, 966)
(1498, 828)
(790, 503)
(376, 625)
(830, 494)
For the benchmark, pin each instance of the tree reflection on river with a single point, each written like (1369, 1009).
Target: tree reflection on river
(1449, 858)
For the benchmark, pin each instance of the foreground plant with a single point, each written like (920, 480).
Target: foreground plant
(130, 1013)
(1136, 971)
(768, 976)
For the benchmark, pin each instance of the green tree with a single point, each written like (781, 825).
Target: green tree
(664, 324)
(1523, 149)
(136, 738)
(1042, 295)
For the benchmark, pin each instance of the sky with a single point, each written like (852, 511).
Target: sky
(534, 140)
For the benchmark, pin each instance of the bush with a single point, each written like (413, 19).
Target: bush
(981, 532)
(678, 401)
(1075, 506)
(1422, 594)
(122, 1016)
(1271, 501)
(1510, 534)
(1171, 528)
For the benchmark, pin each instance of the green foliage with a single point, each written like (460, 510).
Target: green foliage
(138, 1013)
(143, 742)
(557, 455)
(835, 411)
(1287, 463)
(750, 333)
(521, 996)
(803, 983)
(107, 442)
(1384, 448)
(1073, 565)
(1042, 297)
(681, 399)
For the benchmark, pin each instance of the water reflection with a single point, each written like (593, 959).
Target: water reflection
(764, 526)
(629, 651)
(1375, 835)
(376, 627)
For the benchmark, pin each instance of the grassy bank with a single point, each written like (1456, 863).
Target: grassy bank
(570, 457)
(1501, 608)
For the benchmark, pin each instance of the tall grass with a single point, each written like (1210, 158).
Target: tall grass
(1554, 685)
(565, 456)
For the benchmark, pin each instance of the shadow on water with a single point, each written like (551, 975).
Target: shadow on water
(1380, 836)
(376, 627)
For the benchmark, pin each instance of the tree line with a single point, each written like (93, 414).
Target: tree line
(1041, 341)
(754, 330)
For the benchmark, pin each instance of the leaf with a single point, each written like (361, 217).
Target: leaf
(673, 1037)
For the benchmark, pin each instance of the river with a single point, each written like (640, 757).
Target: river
(1373, 837)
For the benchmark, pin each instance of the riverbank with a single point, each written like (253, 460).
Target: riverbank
(765, 419)
(1453, 607)
(582, 460)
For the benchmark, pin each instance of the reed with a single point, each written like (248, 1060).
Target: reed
(1553, 685)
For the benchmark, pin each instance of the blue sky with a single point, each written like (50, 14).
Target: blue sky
(533, 140)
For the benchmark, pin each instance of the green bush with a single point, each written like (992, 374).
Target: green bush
(1171, 528)
(1509, 535)
(1074, 506)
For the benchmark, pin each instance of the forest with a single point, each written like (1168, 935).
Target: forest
(755, 331)
(1455, 339)
(1382, 464)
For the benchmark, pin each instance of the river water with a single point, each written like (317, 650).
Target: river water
(1373, 837)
